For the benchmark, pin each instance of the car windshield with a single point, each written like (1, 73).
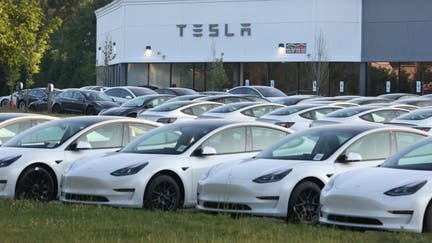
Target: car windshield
(170, 106)
(416, 157)
(230, 108)
(270, 92)
(48, 135)
(137, 102)
(171, 139)
(288, 110)
(141, 91)
(417, 115)
(96, 96)
(312, 145)
(349, 111)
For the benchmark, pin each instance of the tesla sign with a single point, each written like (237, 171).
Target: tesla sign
(215, 30)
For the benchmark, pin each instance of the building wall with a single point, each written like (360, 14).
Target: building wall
(134, 24)
(397, 30)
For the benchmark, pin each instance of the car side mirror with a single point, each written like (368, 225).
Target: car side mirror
(205, 151)
(350, 157)
(83, 145)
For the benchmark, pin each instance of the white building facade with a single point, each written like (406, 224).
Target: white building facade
(174, 42)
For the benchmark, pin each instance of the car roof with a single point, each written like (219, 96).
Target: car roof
(7, 116)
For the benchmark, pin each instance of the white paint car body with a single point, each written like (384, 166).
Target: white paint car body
(241, 111)
(55, 157)
(266, 186)
(298, 117)
(171, 112)
(92, 180)
(395, 196)
(360, 115)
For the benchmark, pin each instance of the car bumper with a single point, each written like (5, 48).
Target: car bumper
(244, 197)
(373, 210)
(94, 190)
(8, 181)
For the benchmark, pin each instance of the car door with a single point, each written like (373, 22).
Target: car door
(229, 144)
(79, 102)
(102, 139)
(66, 100)
(372, 148)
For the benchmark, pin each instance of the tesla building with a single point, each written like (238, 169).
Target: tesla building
(332, 47)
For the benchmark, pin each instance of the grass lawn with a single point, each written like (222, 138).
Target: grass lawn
(27, 221)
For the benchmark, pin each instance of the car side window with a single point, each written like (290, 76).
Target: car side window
(67, 94)
(372, 146)
(405, 139)
(9, 131)
(136, 130)
(317, 114)
(380, 116)
(232, 140)
(109, 136)
(238, 91)
(252, 92)
(198, 109)
(263, 137)
(77, 96)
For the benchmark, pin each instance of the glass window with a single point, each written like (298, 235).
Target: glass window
(137, 74)
(378, 74)
(417, 115)
(285, 76)
(256, 73)
(405, 139)
(231, 140)
(67, 94)
(349, 72)
(263, 137)
(417, 158)
(9, 131)
(318, 113)
(347, 112)
(136, 130)
(199, 109)
(77, 96)
(160, 75)
(182, 75)
(380, 116)
(259, 111)
(199, 77)
(109, 136)
(372, 146)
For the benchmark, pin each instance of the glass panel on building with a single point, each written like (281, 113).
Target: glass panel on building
(199, 84)
(306, 79)
(256, 73)
(182, 75)
(349, 73)
(285, 76)
(408, 73)
(378, 74)
(160, 75)
(137, 74)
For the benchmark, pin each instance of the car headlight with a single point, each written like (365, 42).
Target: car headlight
(407, 189)
(4, 162)
(272, 177)
(130, 170)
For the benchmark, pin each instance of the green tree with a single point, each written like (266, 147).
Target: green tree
(217, 76)
(24, 35)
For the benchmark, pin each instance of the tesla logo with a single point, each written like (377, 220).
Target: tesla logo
(215, 30)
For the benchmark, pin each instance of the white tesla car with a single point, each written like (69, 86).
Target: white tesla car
(32, 162)
(397, 195)
(161, 169)
(419, 119)
(242, 111)
(298, 117)
(171, 112)
(285, 179)
(360, 115)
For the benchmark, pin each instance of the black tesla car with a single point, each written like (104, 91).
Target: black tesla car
(33, 95)
(132, 107)
(82, 101)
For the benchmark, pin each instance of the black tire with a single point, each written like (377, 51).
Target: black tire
(162, 194)
(56, 109)
(427, 221)
(303, 206)
(22, 105)
(35, 183)
(4, 103)
(90, 111)
(32, 108)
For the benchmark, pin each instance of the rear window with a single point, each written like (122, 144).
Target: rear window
(417, 115)
(348, 112)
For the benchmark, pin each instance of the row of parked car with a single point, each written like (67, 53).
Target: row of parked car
(242, 158)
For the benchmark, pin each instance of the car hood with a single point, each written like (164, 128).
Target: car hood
(106, 103)
(253, 168)
(30, 154)
(117, 110)
(378, 179)
(109, 162)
